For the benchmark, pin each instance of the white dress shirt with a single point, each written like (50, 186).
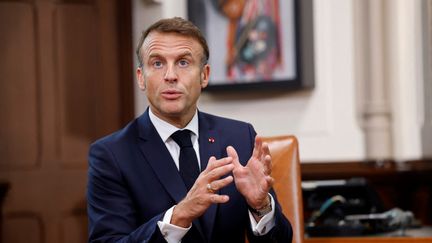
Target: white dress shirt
(173, 233)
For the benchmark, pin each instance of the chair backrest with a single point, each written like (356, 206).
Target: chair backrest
(287, 175)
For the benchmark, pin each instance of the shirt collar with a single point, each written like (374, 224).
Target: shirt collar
(165, 129)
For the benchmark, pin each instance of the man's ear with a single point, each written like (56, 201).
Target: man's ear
(205, 76)
(140, 79)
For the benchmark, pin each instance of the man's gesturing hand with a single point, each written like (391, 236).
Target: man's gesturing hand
(253, 181)
(202, 195)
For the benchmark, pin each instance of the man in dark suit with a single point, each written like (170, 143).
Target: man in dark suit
(176, 174)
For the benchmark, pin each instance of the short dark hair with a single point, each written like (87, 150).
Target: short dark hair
(175, 25)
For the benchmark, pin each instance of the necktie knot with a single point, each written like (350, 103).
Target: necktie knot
(182, 138)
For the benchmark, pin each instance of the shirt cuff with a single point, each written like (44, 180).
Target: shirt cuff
(171, 233)
(266, 223)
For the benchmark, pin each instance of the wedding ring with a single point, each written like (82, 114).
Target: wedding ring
(210, 188)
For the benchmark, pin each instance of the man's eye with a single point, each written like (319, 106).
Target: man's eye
(157, 64)
(183, 63)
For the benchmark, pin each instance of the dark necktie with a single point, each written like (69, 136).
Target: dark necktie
(188, 162)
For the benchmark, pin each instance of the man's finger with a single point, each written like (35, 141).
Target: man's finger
(265, 149)
(219, 184)
(214, 163)
(216, 198)
(267, 163)
(216, 173)
(270, 181)
(257, 148)
(233, 154)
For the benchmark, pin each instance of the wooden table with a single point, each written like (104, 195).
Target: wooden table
(406, 185)
(420, 235)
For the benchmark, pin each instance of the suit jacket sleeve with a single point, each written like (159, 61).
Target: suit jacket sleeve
(111, 211)
(282, 231)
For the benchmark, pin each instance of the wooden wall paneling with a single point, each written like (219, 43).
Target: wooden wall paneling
(61, 88)
(19, 101)
(74, 227)
(30, 225)
(78, 63)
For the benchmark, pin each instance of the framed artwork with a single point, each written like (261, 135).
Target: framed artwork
(257, 43)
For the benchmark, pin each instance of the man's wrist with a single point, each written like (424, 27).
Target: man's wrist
(179, 219)
(171, 232)
(263, 210)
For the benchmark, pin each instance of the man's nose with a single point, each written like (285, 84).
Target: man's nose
(171, 74)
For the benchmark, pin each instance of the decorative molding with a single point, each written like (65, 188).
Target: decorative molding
(14, 223)
(20, 97)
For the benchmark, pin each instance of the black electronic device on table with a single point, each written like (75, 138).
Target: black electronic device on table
(349, 208)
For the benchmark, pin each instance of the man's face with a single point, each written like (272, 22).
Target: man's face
(172, 75)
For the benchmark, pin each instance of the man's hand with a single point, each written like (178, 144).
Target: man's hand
(253, 181)
(201, 196)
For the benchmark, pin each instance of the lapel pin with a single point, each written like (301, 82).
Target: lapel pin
(211, 140)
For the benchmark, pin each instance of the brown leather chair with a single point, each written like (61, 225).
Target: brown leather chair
(286, 172)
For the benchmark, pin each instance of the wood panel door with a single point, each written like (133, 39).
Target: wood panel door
(65, 80)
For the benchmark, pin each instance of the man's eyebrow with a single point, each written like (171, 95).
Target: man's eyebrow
(181, 55)
(153, 55)
(186, 53)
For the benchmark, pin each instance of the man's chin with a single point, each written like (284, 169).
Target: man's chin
(175, 111)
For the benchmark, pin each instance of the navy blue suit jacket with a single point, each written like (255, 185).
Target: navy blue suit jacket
(132, 181)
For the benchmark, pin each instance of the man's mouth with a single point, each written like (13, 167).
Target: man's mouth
(171, 94)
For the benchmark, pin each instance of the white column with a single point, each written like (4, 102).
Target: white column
(405, 73)
(426, 131)
(374, 94)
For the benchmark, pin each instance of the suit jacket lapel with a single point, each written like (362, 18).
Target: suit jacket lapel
(159, 158)
(209, 146)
